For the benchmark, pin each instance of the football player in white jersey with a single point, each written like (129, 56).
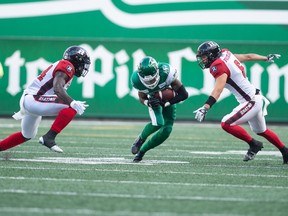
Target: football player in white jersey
(229, 73)
(149, 78)
(46, 96)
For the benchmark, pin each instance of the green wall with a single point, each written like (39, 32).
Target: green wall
(117, 34)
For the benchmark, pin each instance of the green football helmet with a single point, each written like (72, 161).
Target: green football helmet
(148, 72)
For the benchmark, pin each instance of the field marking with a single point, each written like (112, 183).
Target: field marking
(149, 171)
(48, 211)
(95, 161)
(141, 196)
(57, 211)
(234, 152)
(142, 182)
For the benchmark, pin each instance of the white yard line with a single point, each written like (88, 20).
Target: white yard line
(49, 211)
(146, 171)
(58, 211)
(23, 178)
(141, 196)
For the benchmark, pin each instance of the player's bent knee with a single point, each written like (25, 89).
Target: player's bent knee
(167, 130)
(260, 133)
(28, 136)
(224, 126)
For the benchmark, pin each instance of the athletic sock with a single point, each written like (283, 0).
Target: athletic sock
(12, 141)
(237, 131)
(272, 138)
(64, 117)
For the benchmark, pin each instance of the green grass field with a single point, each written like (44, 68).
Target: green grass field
(198, 171)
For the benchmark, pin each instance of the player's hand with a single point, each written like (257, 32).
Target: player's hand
(79, 106)
(153, 102)
(270, 57)
(200, 113)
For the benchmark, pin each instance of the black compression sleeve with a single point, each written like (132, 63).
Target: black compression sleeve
(211, 100)
(182, 94)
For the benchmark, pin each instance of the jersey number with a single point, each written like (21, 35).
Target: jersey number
(43, 74)
(240, 66)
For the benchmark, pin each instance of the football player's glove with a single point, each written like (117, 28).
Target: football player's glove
(79, 106)
(270, 57)
(200, 113)
(153, 102)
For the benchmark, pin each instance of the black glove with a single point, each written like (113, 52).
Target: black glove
(153, 102)
(270, 57)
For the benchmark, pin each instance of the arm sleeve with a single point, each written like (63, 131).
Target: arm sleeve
(182, 95)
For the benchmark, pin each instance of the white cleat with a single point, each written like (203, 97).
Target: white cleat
(49, 143)
(56, 149)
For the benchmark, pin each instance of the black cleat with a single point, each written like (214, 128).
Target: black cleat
(137, 145)
(284, 152)
(50, 143)
(255, 147)
(138, 157)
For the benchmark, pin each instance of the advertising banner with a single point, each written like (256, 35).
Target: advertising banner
(118, 34)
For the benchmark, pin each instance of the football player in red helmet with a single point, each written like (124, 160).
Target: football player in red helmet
(46, 96)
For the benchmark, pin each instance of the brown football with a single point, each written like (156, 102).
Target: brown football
(165, 95)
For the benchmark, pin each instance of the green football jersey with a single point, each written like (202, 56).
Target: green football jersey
(167, 75)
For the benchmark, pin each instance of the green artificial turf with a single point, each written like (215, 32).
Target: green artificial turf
(198, 171)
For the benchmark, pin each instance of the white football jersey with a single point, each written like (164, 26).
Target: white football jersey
(237, 82)
(43, 84)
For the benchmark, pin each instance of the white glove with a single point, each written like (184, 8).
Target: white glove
(270, 57)
(79, 106)
(200, 113)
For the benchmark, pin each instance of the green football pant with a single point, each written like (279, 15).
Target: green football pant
(165, 118)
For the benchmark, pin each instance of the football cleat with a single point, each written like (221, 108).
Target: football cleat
(50, 143)
(255, 147)
(138, 157)
(137, 145)
(284, 152)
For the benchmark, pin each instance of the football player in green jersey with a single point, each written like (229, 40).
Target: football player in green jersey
(149, 78)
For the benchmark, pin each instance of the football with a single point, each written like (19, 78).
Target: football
(165, 95)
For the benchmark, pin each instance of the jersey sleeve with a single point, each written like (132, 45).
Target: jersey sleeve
(65, 67)
(218, 68)
(172, 75)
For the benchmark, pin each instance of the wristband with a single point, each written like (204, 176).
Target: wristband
(210, 101)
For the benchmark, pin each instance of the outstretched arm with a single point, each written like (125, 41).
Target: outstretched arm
(256, 57)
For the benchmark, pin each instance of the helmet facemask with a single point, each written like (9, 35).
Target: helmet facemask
(81, 69)
(150, 81)
(203, 61)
